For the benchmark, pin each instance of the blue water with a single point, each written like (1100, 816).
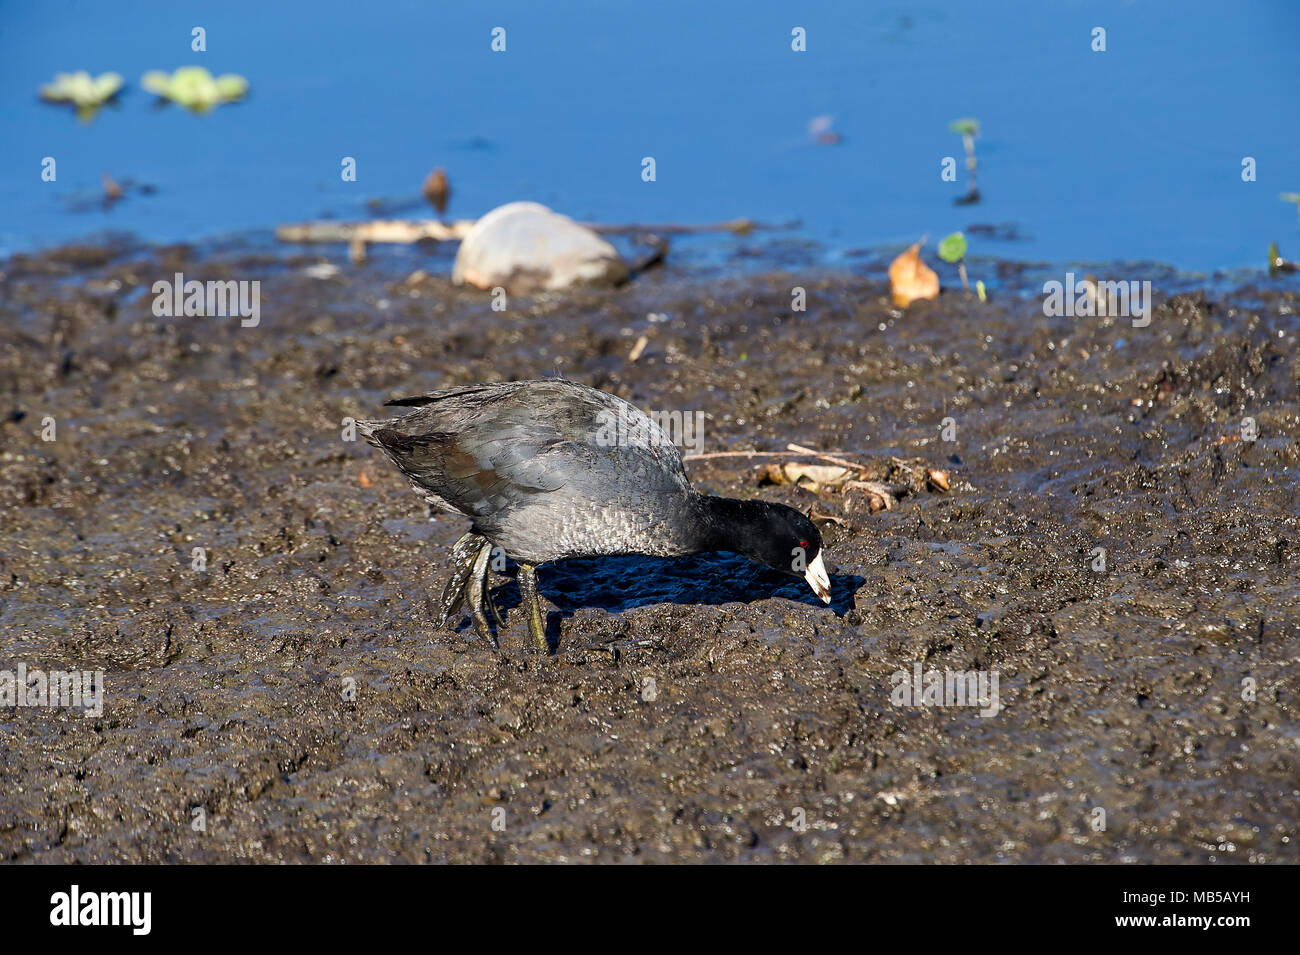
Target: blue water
(1131, 154)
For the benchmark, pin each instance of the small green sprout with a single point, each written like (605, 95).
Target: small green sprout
(1276, 263)
(952, 249)
(195, 88)
(968, 128)
(83, 91)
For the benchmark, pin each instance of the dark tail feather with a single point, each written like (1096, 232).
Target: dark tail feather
(419, 401)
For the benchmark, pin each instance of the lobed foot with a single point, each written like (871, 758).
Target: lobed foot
(469, 585)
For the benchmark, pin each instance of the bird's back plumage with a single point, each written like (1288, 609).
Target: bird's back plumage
(546, 469)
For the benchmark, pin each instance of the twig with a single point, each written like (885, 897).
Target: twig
(826, 456)
(899, 462)
(795, 451)
(379, 230)
(414, 230)
(737, 226)
(734, 454)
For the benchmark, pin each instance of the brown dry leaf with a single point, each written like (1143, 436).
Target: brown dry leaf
(364, 479)
(880, 497)
(810, 477)
(910, 278)
(937, 479)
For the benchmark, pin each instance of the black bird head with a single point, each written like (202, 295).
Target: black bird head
(783, 539)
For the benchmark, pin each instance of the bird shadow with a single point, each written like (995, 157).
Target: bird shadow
(616, 584)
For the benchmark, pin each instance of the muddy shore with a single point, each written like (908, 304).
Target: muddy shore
(291, 701)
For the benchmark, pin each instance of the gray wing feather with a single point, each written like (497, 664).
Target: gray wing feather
(483, 449)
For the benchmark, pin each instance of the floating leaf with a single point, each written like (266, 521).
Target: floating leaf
(194, 87)
(910, 278)
(231, 86)
(953, 248)
(83, 91)
(156, 81)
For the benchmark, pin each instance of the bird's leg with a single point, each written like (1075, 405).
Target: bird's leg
(466, 548)
(484, 559)
(491, 606)
(476, 593)
(454, 593)
(468, 584)
(532, 606)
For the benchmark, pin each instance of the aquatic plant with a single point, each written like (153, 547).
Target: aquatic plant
(968, 128)
(195, 88)
(952, 249)
(83, 91)
(1278, 264)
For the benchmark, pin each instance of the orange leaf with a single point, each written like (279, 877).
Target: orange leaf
(363, 479)
(910, 278)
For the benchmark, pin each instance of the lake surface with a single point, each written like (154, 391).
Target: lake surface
(1130, 154)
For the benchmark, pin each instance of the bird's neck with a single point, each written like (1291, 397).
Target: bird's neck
(727, 523)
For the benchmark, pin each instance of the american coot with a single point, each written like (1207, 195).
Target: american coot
(548, 470)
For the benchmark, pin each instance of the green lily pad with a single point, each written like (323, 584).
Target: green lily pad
(953, 248)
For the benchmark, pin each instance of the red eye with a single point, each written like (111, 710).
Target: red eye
(803, 544)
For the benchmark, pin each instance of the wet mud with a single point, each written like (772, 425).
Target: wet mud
(1119, 546)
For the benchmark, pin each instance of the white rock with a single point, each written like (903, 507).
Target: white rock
(524, 247)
